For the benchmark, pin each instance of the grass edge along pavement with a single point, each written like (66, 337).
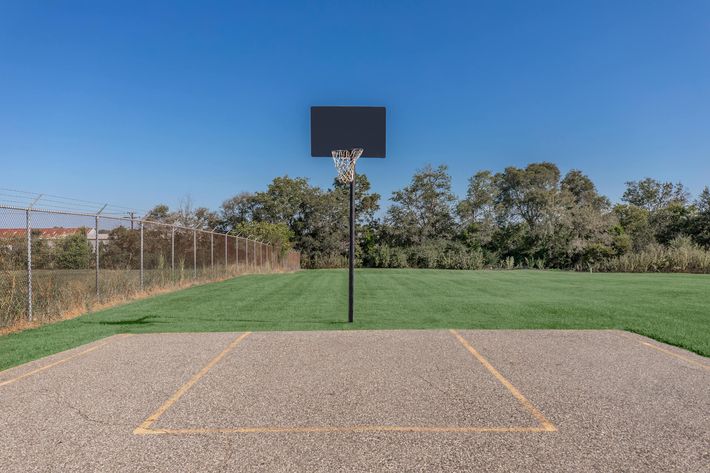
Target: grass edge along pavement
(670, 308)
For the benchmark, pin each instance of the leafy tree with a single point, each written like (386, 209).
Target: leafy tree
(238, 209)
(583, 190)
(700, 225)
(531, 216)
(635, 223)
(530, 213)
(424, 210)
(477, 212)
(366, 203)
(73, 252)
(277, 234)
(590, 238)
(122, 249)
(652, 195)
(160, 213)
(671, 221)
(529, 194)
(285, 201)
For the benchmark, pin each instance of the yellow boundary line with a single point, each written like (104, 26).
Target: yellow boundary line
(63, 360)
(146, 427)
(656, 347)
(335, 429)
(545, 424)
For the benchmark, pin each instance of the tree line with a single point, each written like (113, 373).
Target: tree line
(532, 217)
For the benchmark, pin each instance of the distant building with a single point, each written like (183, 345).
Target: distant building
(52, 235)
(91, 236)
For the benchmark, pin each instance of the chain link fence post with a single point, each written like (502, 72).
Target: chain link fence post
(96, 247)
(28, 229)
(96, 250)
(172, 251)
(226, 256)
(141, 255)
(212, 252)
(194, 254)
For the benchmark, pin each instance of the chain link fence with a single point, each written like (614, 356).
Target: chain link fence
(55, 263)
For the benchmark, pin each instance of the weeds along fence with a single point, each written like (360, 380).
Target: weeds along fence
(56, 263)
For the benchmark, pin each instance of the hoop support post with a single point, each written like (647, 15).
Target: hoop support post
(351, 259)
(345, 160)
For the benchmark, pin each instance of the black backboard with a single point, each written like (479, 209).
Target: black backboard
(334, 128)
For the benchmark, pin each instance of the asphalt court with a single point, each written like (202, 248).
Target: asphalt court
(348, 381)
(360, 400)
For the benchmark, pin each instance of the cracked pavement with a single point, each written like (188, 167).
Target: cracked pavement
(618, 402)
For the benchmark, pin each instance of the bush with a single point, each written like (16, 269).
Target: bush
(74, 252)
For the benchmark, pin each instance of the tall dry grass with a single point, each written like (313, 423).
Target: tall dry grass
(681, 256)
(61, 294)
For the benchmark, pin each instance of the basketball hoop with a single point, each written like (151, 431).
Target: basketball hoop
(347, 134)
(344, 160)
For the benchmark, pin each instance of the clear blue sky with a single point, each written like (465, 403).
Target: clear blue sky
(138, 102)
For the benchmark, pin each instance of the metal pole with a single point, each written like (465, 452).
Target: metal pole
(96, 250)
(226, 256)
(351, 262)
(212, 252)
(28, 229)
(246, 253)
(172, 250)
(236, 249)
(141, 255)
(96, 247)
(29, 264)
(194, 254)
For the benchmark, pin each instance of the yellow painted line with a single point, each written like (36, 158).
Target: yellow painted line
(145, 426)
(685, 358)
(59, 362)
(656, 347)
(547, 426)
(331, 429)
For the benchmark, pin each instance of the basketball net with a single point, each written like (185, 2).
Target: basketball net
(344, 160)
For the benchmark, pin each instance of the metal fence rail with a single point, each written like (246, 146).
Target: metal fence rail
(54, 262)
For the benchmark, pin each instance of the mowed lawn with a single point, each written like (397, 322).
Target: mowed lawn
(672, 308)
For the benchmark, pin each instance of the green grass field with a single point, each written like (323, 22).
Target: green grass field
(672, 308)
